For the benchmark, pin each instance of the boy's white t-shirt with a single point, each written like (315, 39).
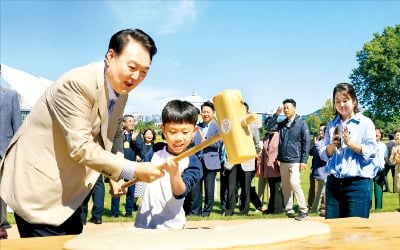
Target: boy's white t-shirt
(159, 209)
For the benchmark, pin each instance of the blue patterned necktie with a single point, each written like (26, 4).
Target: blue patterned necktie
(110, 109)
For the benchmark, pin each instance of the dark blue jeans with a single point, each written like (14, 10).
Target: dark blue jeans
(347, 197)
(129, 201)
(193, 201)
(209, 186)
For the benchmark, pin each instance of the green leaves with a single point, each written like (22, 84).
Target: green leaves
(377, 78)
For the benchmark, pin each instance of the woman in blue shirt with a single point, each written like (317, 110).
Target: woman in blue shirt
(350, 149)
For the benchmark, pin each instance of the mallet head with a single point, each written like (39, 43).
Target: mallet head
(233, 122)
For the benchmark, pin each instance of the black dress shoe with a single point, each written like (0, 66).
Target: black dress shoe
(95, 221)
(128, 216)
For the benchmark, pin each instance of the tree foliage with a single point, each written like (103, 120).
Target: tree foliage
(388, 126)
(377, 78)
(327, 111)
(142, 126)
(313, 122)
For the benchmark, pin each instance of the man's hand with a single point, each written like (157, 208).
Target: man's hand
(200, 132)
(147, 172)
(135, 135)
(303, 166)
(279, 110)
(115, 188)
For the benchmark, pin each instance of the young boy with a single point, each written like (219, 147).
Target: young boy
(162, 202)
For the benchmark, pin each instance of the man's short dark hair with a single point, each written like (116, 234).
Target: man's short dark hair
(293, 102)
(119, 40)
(178, 111)
(208, 104)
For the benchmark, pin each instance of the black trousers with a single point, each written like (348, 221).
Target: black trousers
(254, 199)
(392, 169)
(223, 191)
(71, 226)
(275, 203)
(236, 174)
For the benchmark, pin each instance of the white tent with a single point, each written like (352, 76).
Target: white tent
(28, 86)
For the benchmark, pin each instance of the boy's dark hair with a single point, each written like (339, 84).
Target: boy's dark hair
(119, 40)
(178, 111)
(208, 104)
(293, 102)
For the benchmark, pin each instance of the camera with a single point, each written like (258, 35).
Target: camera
(338, 135)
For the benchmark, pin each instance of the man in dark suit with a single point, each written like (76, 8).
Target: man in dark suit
(209, 158)
(10, 121)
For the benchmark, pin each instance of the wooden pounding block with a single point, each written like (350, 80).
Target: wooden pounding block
(253, 233)
(233, 122)
(380, 231)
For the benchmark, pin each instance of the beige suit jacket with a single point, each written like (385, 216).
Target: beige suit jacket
(55, 158)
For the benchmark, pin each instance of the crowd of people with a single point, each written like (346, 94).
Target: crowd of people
(72, 142)
(281, 155)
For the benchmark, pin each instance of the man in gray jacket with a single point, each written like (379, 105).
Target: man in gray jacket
(294, 146)
(10, 121)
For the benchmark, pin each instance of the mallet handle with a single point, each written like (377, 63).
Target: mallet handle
(180, 157)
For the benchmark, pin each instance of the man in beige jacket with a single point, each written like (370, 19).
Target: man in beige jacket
(55, 158)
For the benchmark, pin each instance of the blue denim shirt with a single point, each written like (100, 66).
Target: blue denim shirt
(345, 162)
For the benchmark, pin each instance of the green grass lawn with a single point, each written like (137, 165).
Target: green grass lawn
(390, 204)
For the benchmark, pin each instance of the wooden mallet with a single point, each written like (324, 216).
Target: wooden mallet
(233, 122)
